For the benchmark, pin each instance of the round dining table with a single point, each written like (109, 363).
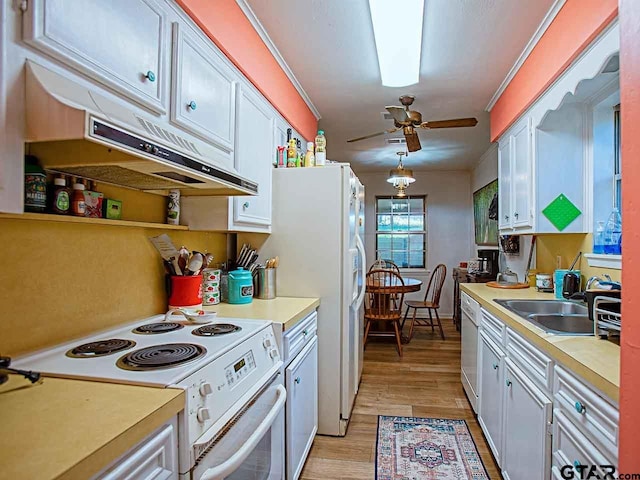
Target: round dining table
(393, 285)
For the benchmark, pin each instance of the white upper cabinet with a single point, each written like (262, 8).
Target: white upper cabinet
(515, 178)
(203, 89)
(255, 154)
(120, 43)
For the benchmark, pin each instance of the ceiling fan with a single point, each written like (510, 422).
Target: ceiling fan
(408, 120)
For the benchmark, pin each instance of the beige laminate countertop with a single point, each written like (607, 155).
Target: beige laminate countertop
(286, 311)
(597, 361)
(71, 429)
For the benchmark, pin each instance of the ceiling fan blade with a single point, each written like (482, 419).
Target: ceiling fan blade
(456, 122)
(399, 114)
(391, 130)
(365, 137)
(413, 142)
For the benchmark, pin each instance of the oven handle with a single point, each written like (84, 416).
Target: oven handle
(229, 466)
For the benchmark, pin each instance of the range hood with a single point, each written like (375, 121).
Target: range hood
(77, 131)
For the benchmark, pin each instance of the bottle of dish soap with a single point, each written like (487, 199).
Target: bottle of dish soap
(598, 239)
(612, 233)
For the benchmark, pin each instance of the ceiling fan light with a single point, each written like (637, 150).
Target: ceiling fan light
(397, 28)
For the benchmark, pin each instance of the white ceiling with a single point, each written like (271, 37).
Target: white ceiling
(468, 48)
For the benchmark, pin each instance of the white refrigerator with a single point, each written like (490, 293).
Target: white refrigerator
(318, 227)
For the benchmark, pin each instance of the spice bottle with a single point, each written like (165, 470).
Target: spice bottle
(78, 205)
(61, 197)
(35, 185)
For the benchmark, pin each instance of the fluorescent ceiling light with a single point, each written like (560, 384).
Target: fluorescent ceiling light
(397, 28)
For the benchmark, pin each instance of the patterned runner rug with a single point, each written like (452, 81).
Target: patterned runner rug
(412, 448)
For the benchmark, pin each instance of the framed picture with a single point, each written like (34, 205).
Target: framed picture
(485, 214)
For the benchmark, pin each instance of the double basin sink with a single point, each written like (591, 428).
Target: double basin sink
(560, 317)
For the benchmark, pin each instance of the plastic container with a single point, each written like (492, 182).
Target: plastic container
(309, 158)
(321, 149)
(185, 291)
(78, 205)
(240, 286)
(612, 233)
(598, 239)
(558, 279)
(60, 197)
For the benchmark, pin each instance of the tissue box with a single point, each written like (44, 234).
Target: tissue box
(112, 209)
(93, 202)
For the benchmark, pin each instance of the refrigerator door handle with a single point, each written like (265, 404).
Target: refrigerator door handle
(363, 256)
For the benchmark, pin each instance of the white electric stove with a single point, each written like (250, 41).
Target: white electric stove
(229, 368)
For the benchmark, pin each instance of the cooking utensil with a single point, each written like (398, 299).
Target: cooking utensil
(575, 260)
(195, 264)
(183, 257)
(176, 266)
(533, 244)
(208, 258)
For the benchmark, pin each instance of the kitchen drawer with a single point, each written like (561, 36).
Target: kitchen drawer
(155, 458)
(537, 366)
(588, 410)
(294, 340)
(570, 447)
(493, 327)
(470, 306)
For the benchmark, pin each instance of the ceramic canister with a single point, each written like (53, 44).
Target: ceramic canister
(240, 286)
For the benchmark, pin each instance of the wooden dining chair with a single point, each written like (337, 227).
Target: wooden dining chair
(381, 264)
(431, 302)
(383, 304)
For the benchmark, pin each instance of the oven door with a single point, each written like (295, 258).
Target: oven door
(251, 446)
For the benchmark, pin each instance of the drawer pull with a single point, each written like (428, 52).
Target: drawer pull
(192, 105)
(305, 332)
(580, 408)
(495, 366)
(150, 76)
(577, 464)
(245, 205)
(297, 380)
(508, 383)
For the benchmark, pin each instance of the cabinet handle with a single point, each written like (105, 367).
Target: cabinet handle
(508, 383)
(297, 380)
(495, 366)
(245, 205)
(515, 214)
(150, 76)
(192, 105)
(506, 217)
(580, 408)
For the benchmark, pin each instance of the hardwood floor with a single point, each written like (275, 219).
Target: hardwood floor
(425, 382)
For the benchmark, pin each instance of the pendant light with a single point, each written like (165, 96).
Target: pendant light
(401, 177)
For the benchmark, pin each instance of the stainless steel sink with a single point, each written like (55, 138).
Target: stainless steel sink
(561, 317)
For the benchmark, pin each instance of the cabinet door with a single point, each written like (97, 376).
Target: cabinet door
(491, 365)
(120, 43)
(302, 407)
(504, 183)
(527, 419)
(521, 175)
(469, 358)
(204, 90)
(254, 154)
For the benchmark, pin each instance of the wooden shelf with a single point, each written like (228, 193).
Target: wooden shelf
(45, 217)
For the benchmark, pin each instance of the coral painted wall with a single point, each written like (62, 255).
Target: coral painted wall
(225, 23)
(630, 342)
(575, 26)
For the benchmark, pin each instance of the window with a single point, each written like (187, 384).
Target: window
(401, 230)
(617, 171)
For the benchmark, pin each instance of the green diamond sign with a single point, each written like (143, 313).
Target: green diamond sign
(561, 212)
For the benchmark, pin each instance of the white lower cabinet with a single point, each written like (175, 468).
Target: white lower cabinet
(301, 408)
(540, 420)
(491, 367)
(155, 458)
(527, 427)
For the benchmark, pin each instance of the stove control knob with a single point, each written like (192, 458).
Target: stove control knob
(205, 389)
(266, 342)
(203, 415)
(273, 353)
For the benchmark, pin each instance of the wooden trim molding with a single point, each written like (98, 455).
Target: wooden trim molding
(546, 21)
(251, 16)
